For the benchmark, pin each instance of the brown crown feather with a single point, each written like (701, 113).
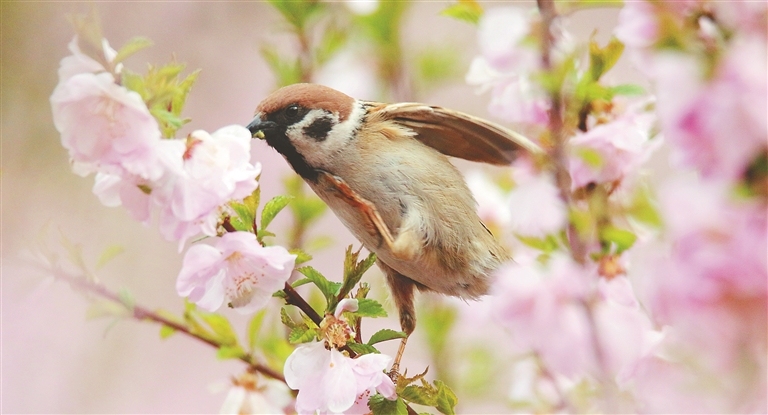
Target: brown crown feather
(310, 96)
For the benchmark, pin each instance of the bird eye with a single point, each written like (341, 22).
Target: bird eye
(291, 112)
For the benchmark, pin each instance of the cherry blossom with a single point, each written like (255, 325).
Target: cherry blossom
(331, 382)
(252, 394)
(535, 206)
(236, 269)
(702, 120)
(130, 191)
(637, 26)
(608, 152)
(106, 126)
(328, 380)
(203, 173)
(79, 63)
(505, 65)
(558, 310)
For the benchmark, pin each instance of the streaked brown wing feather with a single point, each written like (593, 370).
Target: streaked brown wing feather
(457, 134)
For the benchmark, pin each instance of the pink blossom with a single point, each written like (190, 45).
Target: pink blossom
(79, 63)
(252, 394)
(747, 17)
(557, 310)
(710, 285)
(609, 152)
(506, 64)
(330, 382)
(542, 307)
(717, 126)
(106, 126)
(638, 26)
(500, 33)
(535, 206)
(113, 190)
(236, 269)
(204, 172)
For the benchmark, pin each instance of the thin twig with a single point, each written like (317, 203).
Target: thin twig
(293, 298)
(557, 153)
(142, 313)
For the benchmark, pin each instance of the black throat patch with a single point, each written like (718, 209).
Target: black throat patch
(281, 143)
(319, 128)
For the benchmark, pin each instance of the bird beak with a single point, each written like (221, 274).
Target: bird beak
(258, 126)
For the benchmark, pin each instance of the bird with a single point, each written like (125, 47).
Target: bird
(384, 170)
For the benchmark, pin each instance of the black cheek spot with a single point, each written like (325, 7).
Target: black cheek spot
(319, 128)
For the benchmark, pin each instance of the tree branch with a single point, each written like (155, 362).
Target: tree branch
(142, 313)
(557, 153)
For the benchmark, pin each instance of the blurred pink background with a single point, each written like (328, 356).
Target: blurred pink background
(53, 360)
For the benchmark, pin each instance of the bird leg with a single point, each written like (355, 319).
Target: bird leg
(402, 289)
(407, 243)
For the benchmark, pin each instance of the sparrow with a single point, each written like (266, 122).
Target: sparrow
(383, 169)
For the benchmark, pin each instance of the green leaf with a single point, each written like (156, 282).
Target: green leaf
(169, 119)
(643, 210)
(254, 327)
(367, 307)
(108, 254)
(623, 239)
(252, 201)
(272, 208)
(301, 256)
(327, 288)
(627, 90)
(134, 45)
(547, 244)
(334, 38)
(229, 352)
(419, 394)
(384, 335)
(590, 156)
(380, 405)
(262, 233)
(288, 72)
(299, 283)
(436, 65)
(361, 348)
(287, 320)
(297, 12)
(446, 399)
(353, 270)
(166, 331)
(106, 308)
(302, 334)
(244, 216)
(126, 298)
(221, 327)
(465, 10)
(184, 87)
(601, 60)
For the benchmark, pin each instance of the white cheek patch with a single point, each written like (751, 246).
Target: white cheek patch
(319, 152)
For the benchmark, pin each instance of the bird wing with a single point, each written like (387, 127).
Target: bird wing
(456, 134)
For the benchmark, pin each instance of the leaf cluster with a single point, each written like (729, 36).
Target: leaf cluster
(165, 92)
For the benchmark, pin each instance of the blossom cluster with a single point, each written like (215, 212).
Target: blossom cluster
(669, 302)
(329, 381)
(109, 130)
